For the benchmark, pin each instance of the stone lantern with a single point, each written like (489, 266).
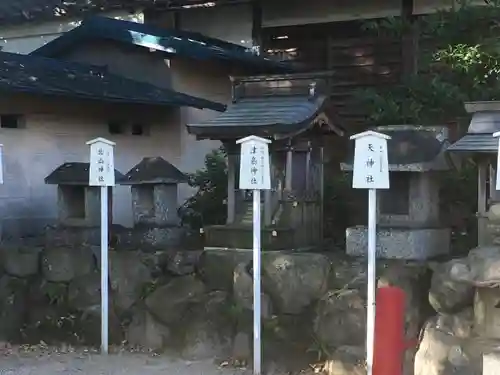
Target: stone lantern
(154, 185)
(79, 205)
(479, 146)
(409, 219)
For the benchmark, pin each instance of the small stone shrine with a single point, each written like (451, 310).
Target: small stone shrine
(295, 112)
(480, 146)
(154, 184)
(409, 219)
(482, 269)
(79, 205)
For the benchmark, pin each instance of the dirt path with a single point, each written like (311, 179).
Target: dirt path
(39, 362)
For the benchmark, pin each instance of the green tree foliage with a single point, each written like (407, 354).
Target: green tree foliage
(458, 61)
(208, 205)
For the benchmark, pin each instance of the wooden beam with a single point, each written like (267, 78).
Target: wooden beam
(231, 196)
(257, 24)
(482, 177)
(409, 41)
(289, 168)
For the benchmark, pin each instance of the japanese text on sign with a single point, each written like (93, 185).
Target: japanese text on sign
(257, 164)
(101, 171)
(254, 165)
(371, 166)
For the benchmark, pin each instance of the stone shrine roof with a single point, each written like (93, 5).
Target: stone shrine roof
(485, 121)
(413, 148)
(73, 174)
(154, 170)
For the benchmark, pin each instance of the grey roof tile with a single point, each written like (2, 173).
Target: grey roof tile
(154, 170)
(472, 143)
(20, 11)
(73, 174)
(412, 148)
(39, 75)
(262, 116)
(171, 42)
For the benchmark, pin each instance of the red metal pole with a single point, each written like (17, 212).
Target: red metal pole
(389, 332)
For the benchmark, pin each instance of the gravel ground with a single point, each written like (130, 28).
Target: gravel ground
(47, 362)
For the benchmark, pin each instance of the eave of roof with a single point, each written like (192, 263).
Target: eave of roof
(475, 143)
(15, 12)
(277, 117)
(173, 42)
(154, 170)
(412, 148)
(73, 173)
(44, 76)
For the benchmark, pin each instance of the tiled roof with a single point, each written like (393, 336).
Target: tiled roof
(479, 137)
(20, 11)
(172, 42)
(155, 170)
(473, 143)
(263, 116)
(40, 75)
(73, 174)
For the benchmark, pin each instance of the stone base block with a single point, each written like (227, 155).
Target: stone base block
(152, 237)
(240, 237)
(73, 236)
(400, 243)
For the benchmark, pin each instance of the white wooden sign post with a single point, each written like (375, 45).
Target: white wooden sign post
(102, 173)
(371, 171)
(1, 164)
(255, 175)
(497, 183)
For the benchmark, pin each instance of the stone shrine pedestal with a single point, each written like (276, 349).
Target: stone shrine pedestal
(400, 243)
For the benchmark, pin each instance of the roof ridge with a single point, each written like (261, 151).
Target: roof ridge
(188, 44)
(93, 21)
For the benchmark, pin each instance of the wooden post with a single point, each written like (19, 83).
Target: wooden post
(268, 202)
(257, 25)
(308, 167)
(322, 192)
(231, 201)
(410, 39)
(288, 168)
(482, 234)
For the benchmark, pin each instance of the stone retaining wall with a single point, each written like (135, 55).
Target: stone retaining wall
(200, 303)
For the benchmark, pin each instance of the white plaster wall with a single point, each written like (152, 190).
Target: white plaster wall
(212, 82)
(129, 61)
(204, 79)
(47, 141)
(30, 36)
